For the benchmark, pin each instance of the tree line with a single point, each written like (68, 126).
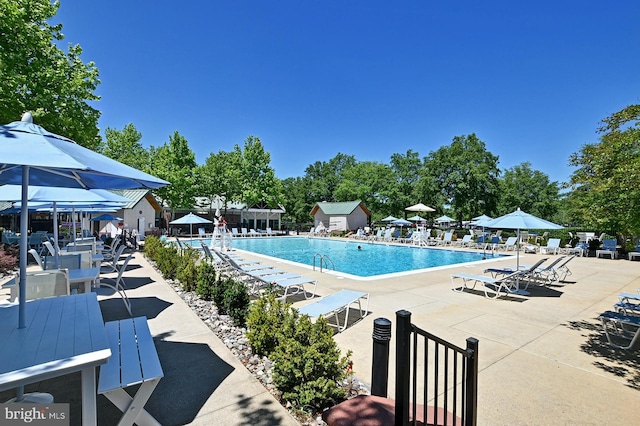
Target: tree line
(462, 179)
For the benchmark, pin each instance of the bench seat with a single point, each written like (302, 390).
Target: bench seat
(134, 361)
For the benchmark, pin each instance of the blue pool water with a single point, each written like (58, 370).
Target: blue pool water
(372, 260)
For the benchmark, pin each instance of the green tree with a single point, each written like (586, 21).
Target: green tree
(323, 177)
(220, 176)
(124, 146)
(367, 181)
(529, 189)
(258, 182)
(406, 175)
(35, 75)
(606, 184)
(463, 175)
(175, 163)
(296, 199)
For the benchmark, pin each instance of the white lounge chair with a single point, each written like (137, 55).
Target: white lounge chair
(464, 242)
(510, 244)
(492, 287)
(446, 240)
(624, 326)
(552, 247)
(609, 249)
(335, 304)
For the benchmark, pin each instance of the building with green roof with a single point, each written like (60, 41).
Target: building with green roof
(342, 216)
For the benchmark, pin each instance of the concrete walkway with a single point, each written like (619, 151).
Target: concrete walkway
(203, 383)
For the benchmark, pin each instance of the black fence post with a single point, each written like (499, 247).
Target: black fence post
(380, 366)
(472, 383)
(403, 366)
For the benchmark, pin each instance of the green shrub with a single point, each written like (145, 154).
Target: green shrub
(168, 261)
(308, 364)
(218, 290)
(264, 321)
(236, 301)
(151, 246)
(207, 277)
(187, 272)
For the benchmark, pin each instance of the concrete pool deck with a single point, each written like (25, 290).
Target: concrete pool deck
(543, 358)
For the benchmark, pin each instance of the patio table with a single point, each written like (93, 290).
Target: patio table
(63, 335)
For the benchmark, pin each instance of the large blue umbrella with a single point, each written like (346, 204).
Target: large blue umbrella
(106, 217)
(71, 198)
(520, 220)
(190, 220)
(33, 155)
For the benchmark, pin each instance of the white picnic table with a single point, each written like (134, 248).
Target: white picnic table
(63, 335)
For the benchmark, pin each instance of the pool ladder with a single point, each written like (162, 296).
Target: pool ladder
(324, 261)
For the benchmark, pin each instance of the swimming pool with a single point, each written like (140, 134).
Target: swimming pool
(372, 260)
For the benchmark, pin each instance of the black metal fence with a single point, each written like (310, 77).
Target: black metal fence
(434, 378)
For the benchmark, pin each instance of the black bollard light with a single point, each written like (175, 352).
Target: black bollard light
(380, 366)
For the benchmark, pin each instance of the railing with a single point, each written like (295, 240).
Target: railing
(430, 372)
(324, 261)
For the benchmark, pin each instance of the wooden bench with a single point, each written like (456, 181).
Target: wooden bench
(134, 360)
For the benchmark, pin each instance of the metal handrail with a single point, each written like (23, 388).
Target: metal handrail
(324, 260)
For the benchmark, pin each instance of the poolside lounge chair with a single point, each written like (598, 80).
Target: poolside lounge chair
(510, 244)
(549, 273)
(552, 247)
(464, 242)
(336, 303)
(492, 287)
(243, 232)
(446, 239)
(528, 273)
(623, 326)
(563, 270)
(609, 249)
(293, 286)
(480, 243)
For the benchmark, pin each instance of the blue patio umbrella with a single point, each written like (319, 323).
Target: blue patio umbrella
(482, 221)
(32, 155)
(190, 220)
(389, 219)
(107, 217)
(59, 196)
(520, 220)
(417, 218)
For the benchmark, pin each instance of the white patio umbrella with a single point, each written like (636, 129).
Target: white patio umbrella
(419, 208)
(520, 220)
(33, 155)
(190, 220)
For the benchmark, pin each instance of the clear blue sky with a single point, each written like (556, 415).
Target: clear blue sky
(367, 78)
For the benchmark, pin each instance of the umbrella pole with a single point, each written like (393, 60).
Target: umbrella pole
(56, 248)
(24, 242)
(484, 245)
